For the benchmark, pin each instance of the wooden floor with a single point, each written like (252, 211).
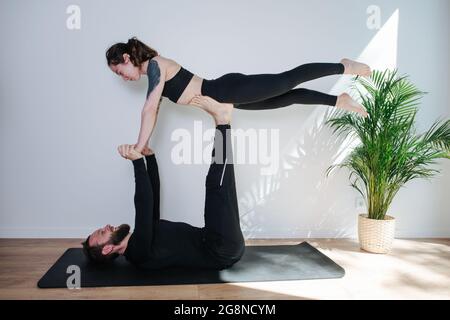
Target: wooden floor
(415, 269)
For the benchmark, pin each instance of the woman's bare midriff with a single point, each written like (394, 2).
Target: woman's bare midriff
(192, 89)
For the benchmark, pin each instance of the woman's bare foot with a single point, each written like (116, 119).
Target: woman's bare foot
(355, 67)
(346, 102)
(221, 112)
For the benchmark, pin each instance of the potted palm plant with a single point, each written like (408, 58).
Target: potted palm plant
(390, 152)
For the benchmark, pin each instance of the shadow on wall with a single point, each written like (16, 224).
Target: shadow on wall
(287, 197)
(318, 209)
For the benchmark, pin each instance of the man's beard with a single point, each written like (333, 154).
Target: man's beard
(120, 234)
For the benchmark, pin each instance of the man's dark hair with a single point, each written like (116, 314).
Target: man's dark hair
(95, 255)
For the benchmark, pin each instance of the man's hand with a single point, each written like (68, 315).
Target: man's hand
(127, 151)
(147, 151)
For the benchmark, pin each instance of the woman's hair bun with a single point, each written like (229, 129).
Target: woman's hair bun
(139, 52)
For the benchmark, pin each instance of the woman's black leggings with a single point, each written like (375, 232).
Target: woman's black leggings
(272, 90)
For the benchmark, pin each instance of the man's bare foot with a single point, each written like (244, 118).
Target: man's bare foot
(221, 112)
(355, 67)
(346, 102)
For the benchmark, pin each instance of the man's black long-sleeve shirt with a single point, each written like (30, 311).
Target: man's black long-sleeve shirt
(158, 243)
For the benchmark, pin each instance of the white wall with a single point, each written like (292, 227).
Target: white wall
(63, 113)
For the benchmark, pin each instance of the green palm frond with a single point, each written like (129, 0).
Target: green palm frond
(390, 152)
(438, 136)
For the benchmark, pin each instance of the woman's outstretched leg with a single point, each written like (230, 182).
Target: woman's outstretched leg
(242, 88)
(305, 96)
(294, 96)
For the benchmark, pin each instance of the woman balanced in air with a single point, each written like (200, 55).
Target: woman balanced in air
(245, 91)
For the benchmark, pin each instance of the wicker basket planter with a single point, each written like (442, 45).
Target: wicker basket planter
(376, 235)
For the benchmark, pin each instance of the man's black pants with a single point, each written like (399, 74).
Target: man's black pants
(222, 231)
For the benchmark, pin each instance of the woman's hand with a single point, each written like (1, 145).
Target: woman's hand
(127, 151)
(147, 151)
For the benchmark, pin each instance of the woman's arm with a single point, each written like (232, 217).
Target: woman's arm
(148, 119)
(156, 79)
(156, 119)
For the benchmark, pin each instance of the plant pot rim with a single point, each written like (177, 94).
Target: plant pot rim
(386, 217)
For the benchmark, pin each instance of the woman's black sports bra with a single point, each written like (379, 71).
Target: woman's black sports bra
(174, 87)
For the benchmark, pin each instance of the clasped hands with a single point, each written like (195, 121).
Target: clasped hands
(127, 151)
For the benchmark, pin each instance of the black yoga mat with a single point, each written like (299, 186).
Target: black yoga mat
(259, 263)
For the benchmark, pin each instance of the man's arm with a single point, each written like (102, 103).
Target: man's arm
(152, 168)
(143, 202)
(153, 174)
